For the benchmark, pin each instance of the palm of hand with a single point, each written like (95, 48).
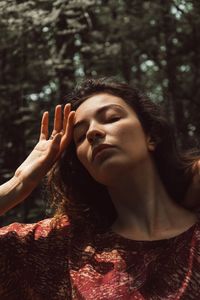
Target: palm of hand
(47, 151)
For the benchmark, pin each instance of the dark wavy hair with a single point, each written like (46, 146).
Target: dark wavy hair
(76, 194)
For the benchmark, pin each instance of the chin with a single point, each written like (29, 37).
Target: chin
(109, 176)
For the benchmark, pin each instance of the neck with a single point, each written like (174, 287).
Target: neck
(144, 208)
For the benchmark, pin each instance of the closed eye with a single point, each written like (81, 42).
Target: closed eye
(113, 119)
(109, 119)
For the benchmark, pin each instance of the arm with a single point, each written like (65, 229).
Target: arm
(41, 159)
(11, 193)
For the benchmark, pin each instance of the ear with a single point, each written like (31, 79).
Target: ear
(151, 143)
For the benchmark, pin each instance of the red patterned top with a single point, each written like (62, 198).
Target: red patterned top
(37, 263)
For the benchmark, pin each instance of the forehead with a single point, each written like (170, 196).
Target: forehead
(93, 103)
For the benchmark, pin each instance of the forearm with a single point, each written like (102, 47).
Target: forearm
(11, 193)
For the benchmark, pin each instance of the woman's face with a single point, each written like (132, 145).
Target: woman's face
(109, 137)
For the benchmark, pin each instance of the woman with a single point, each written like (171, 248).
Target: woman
(120, 187)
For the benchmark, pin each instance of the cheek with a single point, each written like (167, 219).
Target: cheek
(81, 153)
(132, 137)
(128, 131)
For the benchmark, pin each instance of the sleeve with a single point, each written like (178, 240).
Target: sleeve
(34, 261)
(15, 242)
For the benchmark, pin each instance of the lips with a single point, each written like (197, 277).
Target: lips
(97, 149)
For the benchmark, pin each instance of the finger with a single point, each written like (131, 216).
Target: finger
(69, 124)
(44, 126)
(56, 140)
(67, 110)
(66, 138)
(55, 146)
(57, 119)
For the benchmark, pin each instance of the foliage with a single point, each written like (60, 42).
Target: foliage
(46, 46)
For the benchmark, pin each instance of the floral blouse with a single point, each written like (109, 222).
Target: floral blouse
(39, 263)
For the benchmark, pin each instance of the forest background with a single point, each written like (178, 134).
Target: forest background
(47, 46)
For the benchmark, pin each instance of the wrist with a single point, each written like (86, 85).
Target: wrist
(25, 182)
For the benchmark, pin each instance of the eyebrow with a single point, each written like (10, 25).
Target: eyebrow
(98, 112)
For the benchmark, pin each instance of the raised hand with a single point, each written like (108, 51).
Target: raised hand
(40, 160)
(49, 148)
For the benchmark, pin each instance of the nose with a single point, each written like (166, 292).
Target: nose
(94, 134)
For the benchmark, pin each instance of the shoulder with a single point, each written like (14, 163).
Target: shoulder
(37, 230)
(31, 252)
(20, 242)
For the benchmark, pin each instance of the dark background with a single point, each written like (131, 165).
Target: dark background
(47, 46)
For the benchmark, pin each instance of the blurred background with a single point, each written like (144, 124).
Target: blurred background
(47, 46)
